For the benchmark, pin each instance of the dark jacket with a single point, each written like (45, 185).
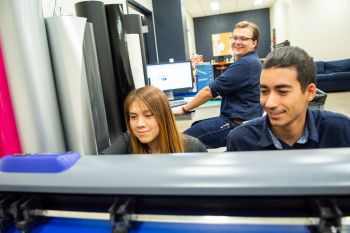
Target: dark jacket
(325, 130)
(122, 145)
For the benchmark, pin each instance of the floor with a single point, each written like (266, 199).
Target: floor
(336, 102)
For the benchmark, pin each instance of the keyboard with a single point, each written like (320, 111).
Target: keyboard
(177, 103)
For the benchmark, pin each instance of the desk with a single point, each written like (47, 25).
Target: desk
(214, 103)
(207, 110)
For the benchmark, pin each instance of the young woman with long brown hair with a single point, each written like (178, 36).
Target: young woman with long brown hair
(151, 127)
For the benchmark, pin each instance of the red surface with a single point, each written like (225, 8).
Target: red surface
(9, 140)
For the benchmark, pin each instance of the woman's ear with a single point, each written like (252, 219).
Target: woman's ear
(311, 91)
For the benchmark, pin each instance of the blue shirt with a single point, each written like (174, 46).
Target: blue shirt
(239, 88)
(324, 130)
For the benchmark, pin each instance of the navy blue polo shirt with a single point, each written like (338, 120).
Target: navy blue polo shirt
(239, 88)
(323, 130)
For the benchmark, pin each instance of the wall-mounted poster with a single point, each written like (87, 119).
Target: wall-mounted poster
(221, 44)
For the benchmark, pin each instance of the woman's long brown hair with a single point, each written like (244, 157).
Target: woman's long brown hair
(170, 140)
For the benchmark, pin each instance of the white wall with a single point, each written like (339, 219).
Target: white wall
(279, 19)
(66, 7)
(145, 3)
(318, 26)
(190, 34)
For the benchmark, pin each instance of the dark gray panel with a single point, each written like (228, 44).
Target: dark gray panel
(170, 24)
(93, 77)
(117, 36)
(204, 27)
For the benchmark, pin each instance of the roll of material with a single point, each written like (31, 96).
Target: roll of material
(95, 90)
(133, 24)
(95, 13)
(30, 76)
(117, 36)
(78, 83)
(9, 140)
(134, 50)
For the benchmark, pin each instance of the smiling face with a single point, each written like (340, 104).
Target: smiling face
(242, 42)
(282, 98)
(143, 124)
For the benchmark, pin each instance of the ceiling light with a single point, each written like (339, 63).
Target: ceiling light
(258, 2)
(214, 6)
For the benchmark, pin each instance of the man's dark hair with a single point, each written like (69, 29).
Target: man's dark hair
(291, 56)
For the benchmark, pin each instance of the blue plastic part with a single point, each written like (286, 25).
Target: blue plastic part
(66, 225)
(205, 75)
(184, 94)
(154, 227)
(39, 163)
(59, 225)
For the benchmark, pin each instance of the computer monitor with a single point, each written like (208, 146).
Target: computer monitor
(171, 76)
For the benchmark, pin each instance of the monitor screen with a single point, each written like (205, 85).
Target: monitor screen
(170, 76)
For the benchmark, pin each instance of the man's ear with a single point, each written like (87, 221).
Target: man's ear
(255, 43)
(310, 91)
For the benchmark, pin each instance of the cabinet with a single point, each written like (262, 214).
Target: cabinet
(220, 67)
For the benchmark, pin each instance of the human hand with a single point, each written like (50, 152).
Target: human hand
(178, 111)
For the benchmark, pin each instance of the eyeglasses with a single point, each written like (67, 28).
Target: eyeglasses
(240, 38)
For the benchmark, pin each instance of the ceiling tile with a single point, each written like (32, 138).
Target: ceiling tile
(199, 8)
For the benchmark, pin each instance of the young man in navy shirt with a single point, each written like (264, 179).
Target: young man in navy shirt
(287, 85)
(238, 86)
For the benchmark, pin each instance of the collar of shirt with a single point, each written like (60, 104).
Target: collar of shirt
(310, 133)
(251, 53)
(302, 140)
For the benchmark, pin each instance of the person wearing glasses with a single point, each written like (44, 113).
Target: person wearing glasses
(287, 85)
(238, 86)
(151, 127)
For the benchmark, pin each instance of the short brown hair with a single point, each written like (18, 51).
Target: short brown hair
(253, 26)
(171, 141)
